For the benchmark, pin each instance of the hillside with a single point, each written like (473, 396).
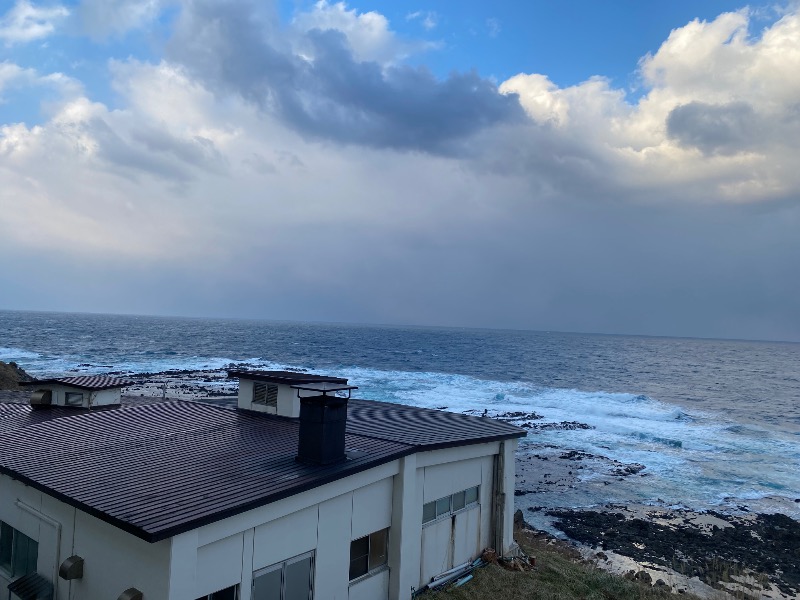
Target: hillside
(10, 376)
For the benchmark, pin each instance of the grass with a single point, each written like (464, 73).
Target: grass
(559, 575)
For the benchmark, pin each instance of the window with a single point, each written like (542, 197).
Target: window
(265, 394)
(290, 580)
(18, 552)
(229, 593)
(449, 504)
(368, 553)
(73, 398)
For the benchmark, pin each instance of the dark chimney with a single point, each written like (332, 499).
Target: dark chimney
(323, 420)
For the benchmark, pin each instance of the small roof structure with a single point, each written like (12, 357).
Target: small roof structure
(83, 382)
(284, 377)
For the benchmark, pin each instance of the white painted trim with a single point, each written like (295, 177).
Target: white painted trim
(456, 454)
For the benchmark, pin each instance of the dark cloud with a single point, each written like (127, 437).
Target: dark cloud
(153, 151)
(234, 49)
(716, 128)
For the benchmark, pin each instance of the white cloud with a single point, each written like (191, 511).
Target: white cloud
(427, 18)
(689, 128)
(12, 76)
(101, 18)
(494, 27)
(367, 33)
(26, 22)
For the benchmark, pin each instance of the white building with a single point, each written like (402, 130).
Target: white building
(297, 493)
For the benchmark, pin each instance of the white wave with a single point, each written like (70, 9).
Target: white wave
(16, 354)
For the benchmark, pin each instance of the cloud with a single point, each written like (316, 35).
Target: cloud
(368, 35)
(718, 120)
(14, 77)
(270, 171)
(328, 93)
(715, 129)
(428, 19)
(26, 22)
(101, 18)
(493, 27)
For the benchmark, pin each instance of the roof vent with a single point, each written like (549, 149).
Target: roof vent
(41, 398)
(71, 568)
(131, 594)
(323, 420)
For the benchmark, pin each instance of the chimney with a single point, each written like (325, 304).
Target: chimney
(323, 420)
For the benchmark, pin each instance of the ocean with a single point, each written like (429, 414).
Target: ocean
(714, 423)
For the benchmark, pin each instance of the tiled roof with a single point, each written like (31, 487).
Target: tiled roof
(84, 382)
(161, 469)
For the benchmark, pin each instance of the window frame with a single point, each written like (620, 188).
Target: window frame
(451, 499)
(73, 395)
(281, 566)
(371, 569)
(236, 590)
(15, 546)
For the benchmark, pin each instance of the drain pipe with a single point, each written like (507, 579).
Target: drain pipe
(499, 499)
(55, 525)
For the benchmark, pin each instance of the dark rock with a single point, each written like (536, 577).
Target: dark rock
(765, 543)
(11, 375)
(643, 576)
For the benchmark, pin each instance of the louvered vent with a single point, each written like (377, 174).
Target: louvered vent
(265, 394)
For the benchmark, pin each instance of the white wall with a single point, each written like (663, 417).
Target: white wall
(90, 398)
(115, 561)
(324, 520)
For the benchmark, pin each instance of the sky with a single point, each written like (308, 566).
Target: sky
(617, 167)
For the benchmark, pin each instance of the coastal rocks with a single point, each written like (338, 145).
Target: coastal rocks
(11, 375)
(758, 551)
(562, 426)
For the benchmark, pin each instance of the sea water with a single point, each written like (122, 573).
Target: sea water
(716, 423)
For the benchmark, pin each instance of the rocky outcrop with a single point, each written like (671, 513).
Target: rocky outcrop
(11, 375)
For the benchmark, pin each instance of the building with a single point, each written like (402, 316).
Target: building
(297, 492)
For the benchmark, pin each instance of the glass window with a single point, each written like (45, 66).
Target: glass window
(297, 580)
(359, 557)
(18, 553)
(73, 398)
(229, 593)
(428, 512)
(458, 501)
(267, 586)
(368, 553)
(378, 542)
(289, 580)
(442, 506)
(472, 495)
